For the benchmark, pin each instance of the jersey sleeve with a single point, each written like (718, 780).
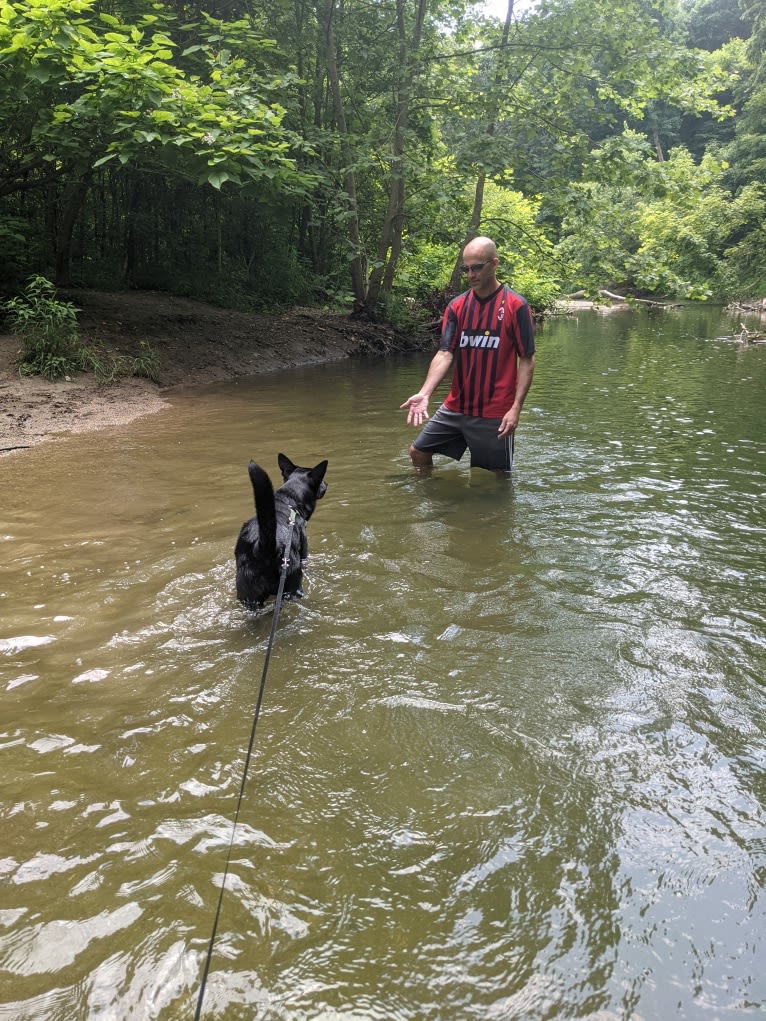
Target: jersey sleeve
(449, 335)
(524, 331)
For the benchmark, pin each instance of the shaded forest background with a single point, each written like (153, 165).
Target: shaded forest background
(339, 153)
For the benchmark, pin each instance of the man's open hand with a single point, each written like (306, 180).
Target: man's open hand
(417, 406)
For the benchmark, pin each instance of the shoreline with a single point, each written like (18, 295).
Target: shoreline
(196, 344)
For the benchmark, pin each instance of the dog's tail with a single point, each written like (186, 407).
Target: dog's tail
(263, 493)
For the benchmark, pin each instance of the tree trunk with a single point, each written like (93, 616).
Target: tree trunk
(73, 203)
(472, 232)
(658, 145)
(478, 197)
(358, 283)
(390, 243)
(131, 258)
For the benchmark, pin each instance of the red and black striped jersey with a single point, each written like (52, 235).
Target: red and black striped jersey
(486, 337)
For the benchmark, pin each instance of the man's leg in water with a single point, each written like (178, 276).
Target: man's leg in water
(442, 434)
(420, 458)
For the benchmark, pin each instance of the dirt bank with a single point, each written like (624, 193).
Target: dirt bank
(196, 343)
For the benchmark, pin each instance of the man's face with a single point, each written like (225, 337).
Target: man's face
(478, 267)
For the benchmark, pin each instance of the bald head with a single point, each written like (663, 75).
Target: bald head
(478, 249)
(480, 263)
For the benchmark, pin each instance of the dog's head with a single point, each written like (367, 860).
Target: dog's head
(310, 478)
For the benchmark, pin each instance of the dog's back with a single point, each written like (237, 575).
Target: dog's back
(260, 548)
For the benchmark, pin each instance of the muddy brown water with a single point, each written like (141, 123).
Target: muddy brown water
(510, 762)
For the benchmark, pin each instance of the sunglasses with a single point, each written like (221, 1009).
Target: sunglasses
(474, 267)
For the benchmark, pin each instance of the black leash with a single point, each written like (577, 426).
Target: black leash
(275, 620)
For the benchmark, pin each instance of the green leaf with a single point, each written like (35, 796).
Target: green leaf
(218, 178)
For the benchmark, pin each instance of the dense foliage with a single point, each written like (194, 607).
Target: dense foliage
(265, 155)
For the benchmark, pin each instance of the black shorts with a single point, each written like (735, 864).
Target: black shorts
(448, 432)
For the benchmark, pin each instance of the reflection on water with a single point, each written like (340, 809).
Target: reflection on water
(510, 762)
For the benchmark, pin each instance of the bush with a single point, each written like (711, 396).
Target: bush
(47, 329)
(52, 348)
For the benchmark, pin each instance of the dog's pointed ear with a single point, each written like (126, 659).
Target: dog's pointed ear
(318, 470)
(286, 466)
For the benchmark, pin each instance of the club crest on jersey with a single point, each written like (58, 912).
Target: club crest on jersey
(486, 339)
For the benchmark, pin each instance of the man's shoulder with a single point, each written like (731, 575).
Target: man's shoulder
(512, 298)
(458, 301)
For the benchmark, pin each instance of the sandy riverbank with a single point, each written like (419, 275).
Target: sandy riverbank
(196, 343)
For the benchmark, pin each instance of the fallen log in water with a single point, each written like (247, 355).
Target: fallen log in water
(745, 337)
(758, 306)
(643, 301)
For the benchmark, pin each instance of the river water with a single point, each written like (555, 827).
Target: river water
(510, 761)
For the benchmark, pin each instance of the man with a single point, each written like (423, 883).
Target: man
(488, 332)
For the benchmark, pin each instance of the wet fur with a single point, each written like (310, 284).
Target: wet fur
(259, 552)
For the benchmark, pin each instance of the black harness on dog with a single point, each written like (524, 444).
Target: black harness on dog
(277, 607)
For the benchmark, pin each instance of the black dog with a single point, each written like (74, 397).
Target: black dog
(260, 548)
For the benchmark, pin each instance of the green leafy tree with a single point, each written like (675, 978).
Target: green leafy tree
(528, 262)
(276, 153)
(669, 228)
(81, 87)
(567, 74)
(747, 153)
